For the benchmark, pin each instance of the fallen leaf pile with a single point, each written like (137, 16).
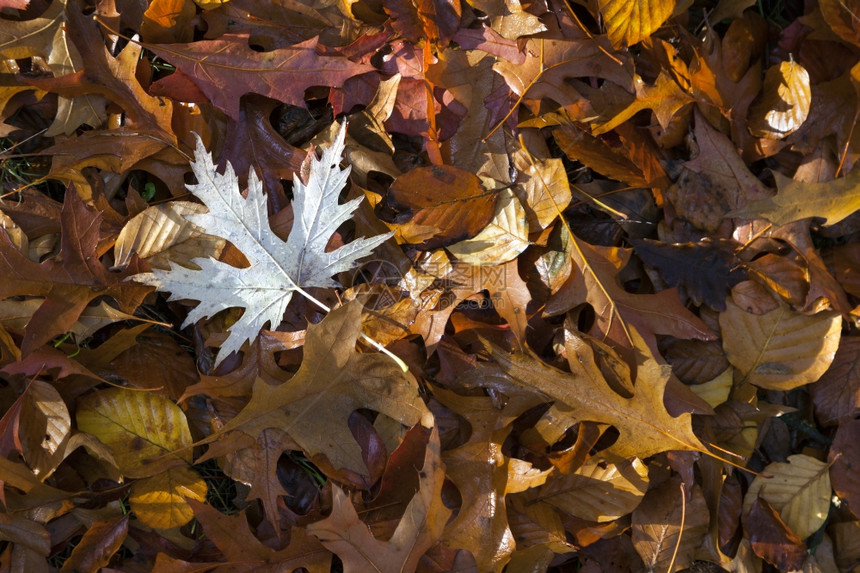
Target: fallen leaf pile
(429, 285)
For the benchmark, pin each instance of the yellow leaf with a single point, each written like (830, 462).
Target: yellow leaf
(784, 102)
(138, 427)
(629, 22)
(160, 501)
(715, 391)
(799, 490)
(781, 349)
(545, 192)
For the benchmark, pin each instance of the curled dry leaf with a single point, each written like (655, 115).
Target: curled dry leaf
(784, 102)
(161, 234)
(101, 540)
(781, 349)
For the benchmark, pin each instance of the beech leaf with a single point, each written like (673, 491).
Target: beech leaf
(277, 268)
(784, 102)
(629, 22)
(798, 489)
(781, 349)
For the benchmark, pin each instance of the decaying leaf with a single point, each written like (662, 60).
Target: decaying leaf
(138, 427)
(277, 268)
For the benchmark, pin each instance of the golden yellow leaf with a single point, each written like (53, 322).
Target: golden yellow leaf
(138, 427)
(160, 501)
(629, 22)
(715, 391)
(784, 102)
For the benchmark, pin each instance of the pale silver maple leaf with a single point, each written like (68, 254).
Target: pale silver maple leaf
(277, 268)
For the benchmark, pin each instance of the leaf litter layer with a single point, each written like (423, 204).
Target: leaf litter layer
(578, 286)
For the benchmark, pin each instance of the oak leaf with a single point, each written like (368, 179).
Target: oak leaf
(597, 283)
(832, 200)
(277, 268)
(70, 281)
(334, 375)
(644, 425)
(227, 68)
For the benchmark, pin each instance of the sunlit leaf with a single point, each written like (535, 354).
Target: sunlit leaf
(798, 489)
(160, 501)
(138, 427)
(629, 22)
(781, 349)
(784, 102)
(599, 491)
(505, 237)
(161, 234)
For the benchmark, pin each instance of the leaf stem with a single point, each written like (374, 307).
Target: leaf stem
(364, 337)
